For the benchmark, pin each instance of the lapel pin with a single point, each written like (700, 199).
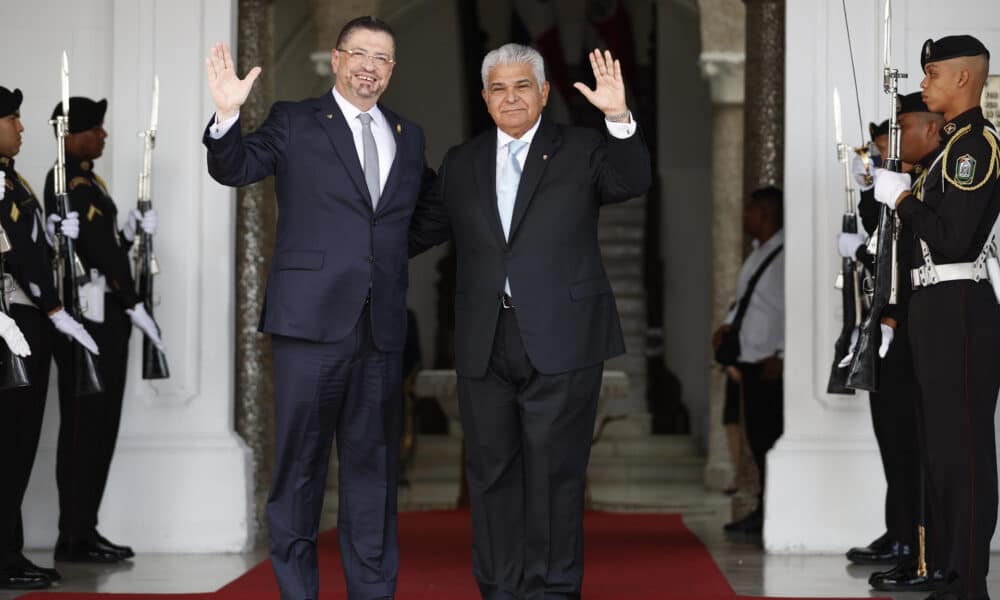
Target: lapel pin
(329, 116)
(545, 157)
(399, 128)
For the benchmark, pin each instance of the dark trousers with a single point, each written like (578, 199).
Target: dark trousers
(894, 419)
(955, 332)
(88, 426)
(527, 441)
(763, 415)
(351, 392)
(21, 413)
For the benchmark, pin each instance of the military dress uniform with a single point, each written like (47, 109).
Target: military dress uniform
(88, 427)
(897, 412)
(31, 296)
(954, 326)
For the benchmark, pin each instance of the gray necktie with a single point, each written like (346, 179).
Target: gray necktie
(371, 158)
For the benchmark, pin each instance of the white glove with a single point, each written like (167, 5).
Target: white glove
(889, 185)
(148, 221)
(848, 243)
(74, 329)
(136, 220)
(887, 334)
(861, 173)
(11, 333)
(850, 353)
(69, 227)
(142, 320)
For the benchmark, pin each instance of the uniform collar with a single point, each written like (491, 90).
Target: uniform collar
(973, 115)
(925, 163)
(76, 164)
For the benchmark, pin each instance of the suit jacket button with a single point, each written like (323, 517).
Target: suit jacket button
(371, 259)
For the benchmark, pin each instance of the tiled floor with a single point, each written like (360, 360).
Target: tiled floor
(748, 569)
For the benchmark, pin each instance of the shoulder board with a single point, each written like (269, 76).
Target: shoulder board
(78, 181)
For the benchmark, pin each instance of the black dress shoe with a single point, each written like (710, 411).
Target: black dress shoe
(31, 567)
(89, 551)
(878, 553)
(904, 578)
(123, 551)
(14, 577)
(752, 523)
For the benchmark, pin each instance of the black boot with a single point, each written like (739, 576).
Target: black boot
(904, 578)
(882, 551)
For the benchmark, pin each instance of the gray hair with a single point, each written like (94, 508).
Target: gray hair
(514, 54)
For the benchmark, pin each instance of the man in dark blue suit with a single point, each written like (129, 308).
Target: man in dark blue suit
(347, 176)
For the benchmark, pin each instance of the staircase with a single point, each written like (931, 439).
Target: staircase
(621, 233)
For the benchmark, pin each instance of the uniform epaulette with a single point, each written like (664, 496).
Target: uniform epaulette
(78, 181)
(964, 177)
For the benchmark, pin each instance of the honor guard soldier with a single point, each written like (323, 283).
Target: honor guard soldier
(88, 427)
(30, 301)
(896, 408)
(893, 407)
(954, 318)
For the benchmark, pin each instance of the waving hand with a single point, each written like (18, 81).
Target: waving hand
(229, 92)
(609, 94)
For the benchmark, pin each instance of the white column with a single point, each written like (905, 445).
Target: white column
(725, 74)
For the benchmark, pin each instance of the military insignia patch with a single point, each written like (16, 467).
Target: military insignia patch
(927, 49)
(950, 128)
(15, 212)
(965, 169)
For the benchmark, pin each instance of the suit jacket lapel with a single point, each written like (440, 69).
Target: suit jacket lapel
(486, 179)
(543, 146)
(400, 134)
(334, 124)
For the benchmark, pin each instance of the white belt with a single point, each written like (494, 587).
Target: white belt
(932, 274)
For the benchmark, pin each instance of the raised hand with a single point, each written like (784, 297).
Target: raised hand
(229, 92)
(609, 94)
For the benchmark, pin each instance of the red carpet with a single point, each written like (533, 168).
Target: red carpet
(629, 557)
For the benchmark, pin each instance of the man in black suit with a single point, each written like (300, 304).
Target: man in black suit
(535, 317)
(348, 174)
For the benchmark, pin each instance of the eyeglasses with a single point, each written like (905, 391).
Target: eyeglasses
(358, 55)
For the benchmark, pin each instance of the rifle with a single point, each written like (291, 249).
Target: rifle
(13, 371)
(848, 279)
(69, 270)
(154, 361)
(864, 368)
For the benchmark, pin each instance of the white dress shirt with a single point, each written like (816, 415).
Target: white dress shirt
(385, 141)
(763, 330)
(618, 130)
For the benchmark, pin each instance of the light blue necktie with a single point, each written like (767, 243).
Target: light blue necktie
(510, 178)
(371, 158)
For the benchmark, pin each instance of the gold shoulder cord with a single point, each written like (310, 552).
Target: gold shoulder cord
(918, 185)
(993, 169)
